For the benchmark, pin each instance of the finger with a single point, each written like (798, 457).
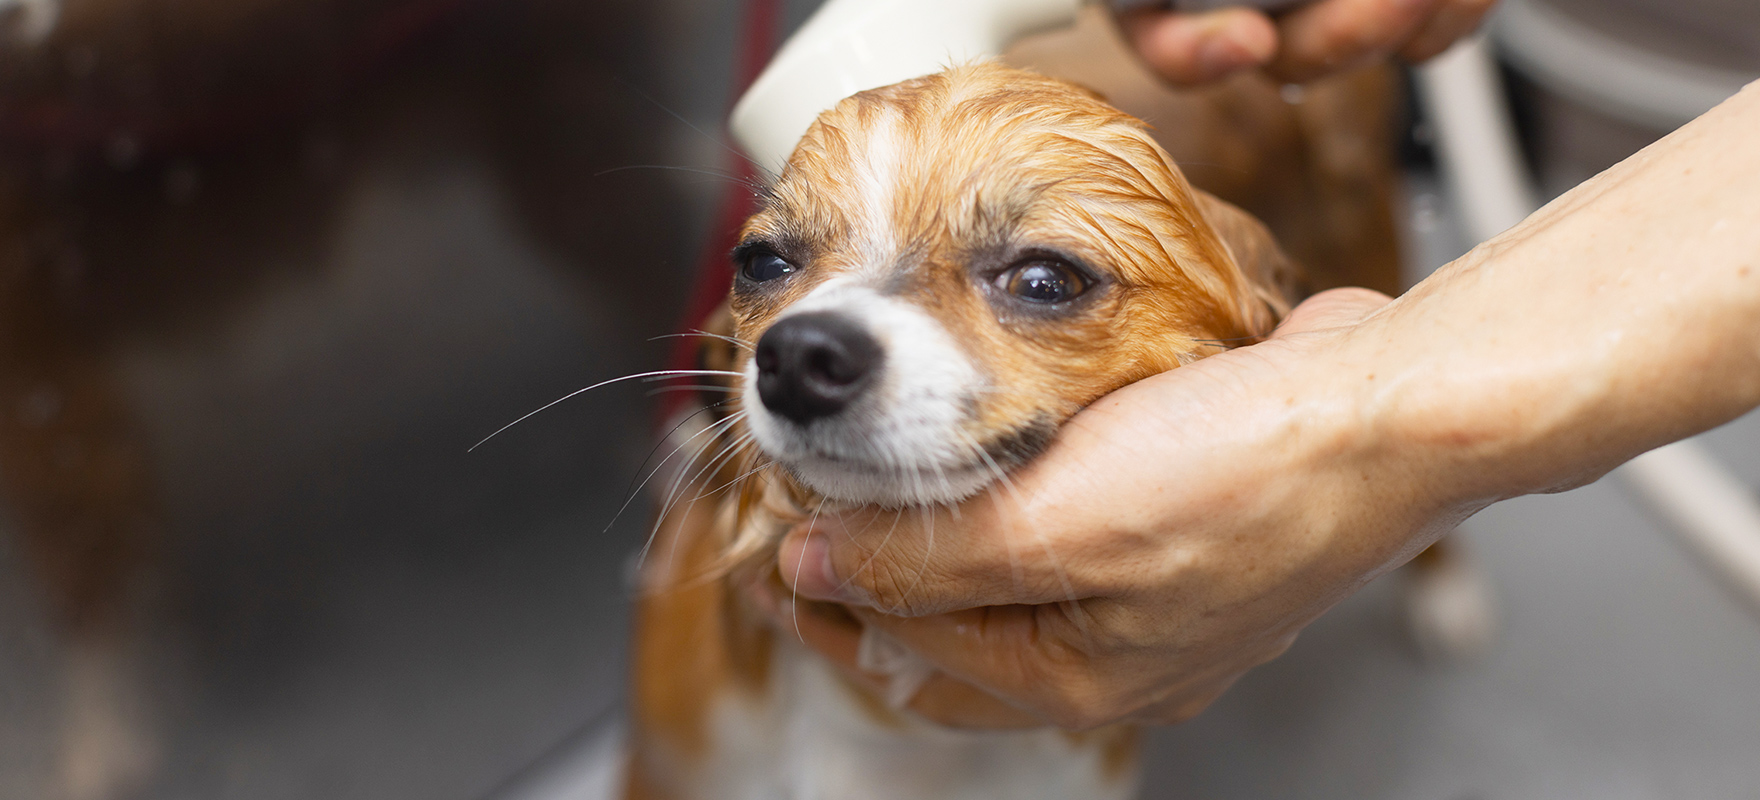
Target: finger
(1333, 308)
(1452, 20)
(836, 635)
(1041, 660)
(1009, 546)
(1189, 49)
(1030, 656)
(1334, 35)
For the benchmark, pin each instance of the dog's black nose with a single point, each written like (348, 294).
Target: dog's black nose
(813, 365)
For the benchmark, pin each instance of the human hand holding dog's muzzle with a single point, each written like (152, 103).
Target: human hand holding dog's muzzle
(1180, 532)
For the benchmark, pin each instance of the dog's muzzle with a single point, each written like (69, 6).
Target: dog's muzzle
(814, 365)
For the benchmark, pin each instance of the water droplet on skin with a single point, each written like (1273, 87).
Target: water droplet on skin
(1293, 93)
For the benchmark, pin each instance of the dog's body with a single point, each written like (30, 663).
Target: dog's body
(948, 269)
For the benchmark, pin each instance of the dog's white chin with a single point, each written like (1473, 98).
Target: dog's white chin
(895, 488)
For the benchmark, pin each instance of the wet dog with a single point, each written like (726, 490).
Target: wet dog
(947, 270)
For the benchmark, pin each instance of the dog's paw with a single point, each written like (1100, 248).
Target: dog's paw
(1450, 614)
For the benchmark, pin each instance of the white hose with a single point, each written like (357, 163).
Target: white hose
(1475, 139)
(848, 46)
(1711, 508)
(1600, 72)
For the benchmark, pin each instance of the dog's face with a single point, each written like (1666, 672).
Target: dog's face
(951, 267)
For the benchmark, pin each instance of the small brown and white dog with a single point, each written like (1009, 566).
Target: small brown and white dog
(947, 270)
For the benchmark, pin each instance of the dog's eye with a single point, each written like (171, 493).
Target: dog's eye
(763, 265)
(1042, 282)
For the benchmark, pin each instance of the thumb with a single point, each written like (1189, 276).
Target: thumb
(1333, 308)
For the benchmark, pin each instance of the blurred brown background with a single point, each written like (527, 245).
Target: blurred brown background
(267, 269)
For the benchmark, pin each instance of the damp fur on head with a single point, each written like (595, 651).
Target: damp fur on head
(916, 193)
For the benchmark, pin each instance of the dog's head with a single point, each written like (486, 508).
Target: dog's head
(951, 267)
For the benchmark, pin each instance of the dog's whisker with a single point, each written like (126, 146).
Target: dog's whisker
(1254, 338)
(658, 374)
(729, 450)
(928, 514)
(686, 374)
(1057, 568)
(736, 479)
(723, 426)
(794, 599)
(735, 341)
(749, 184)
(757, 167)
(717, 429)
(633, 489)
(1017, 575)
(695, 387)
(675, 494)
(727, 455)
(897, 515)
(732, 452)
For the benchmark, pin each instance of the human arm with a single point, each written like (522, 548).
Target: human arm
(1303, 44)
(1199, 519)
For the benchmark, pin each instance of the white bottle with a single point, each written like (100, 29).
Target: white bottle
(852, 45)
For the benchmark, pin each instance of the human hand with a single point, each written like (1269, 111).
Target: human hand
(1180, 532)
(1308, 42)
(1185, 528)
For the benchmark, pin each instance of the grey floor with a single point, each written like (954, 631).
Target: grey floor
(351, 606)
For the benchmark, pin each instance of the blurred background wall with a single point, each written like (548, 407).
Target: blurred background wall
(268, 268)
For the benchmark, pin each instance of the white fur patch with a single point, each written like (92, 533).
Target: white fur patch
(876, 177)
(810, 739)
(903, 442)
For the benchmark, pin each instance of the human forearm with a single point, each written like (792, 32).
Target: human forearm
(1624, 315)
(1204, 516)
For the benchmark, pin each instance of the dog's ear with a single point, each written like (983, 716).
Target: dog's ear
(1276, 281)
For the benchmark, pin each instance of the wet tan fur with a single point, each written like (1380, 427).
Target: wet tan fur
(991, 162)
